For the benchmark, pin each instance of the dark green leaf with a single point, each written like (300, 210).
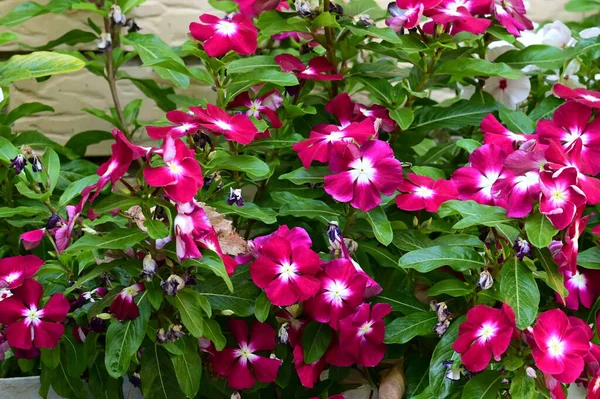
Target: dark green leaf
(249, 64)
(469, 145)
(158, 374)
(300, 176)
(262, 307)
(520, 291)
(24, 110)
(79, 142)
(70, 38)
(540, 55)
(451, 287)
(302, 207)
(249, 211)
(51, 164)
(410, 240)
(428, 259)
(75, 188)
(483, 386)
(241, 302)
(116, 201)
(117, 239)
(315, 341)
(212, 332)
(403, 329)
(382, 229)
(187, 302)
(188, 368)
(516, 121)
(212, 261)
(401, 302)
(458, 115)
(590, 258)
(438, 383)
(266, 76)
(473, 213)
(470, 67)
(539, 230)
(101, 384)
(254, 167)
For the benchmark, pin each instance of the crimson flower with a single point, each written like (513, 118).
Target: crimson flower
(191, 224)
(407, 13)
(238, 128)
(423, 192)
(362, 333)
(583, 96)
(316, 70)
(460, 14)
(286, 273)
(367, 172)
(181, 177)
(520, 191)
(31, 239)
(211, 241)
(235, 363)
(253, 8)
(486, 332)
(570, 249)
(495, 133)
(124, 306)
(31, 326)
(14, 270)
(259, 107)
(560, 196)
(582, 286)
(187, 124)
(559, 346)
(342, 290)
(308, 373)
(222, 35)
(63, 234)
(511, 15)
(593, 388)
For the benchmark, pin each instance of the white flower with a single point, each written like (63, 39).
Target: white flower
(569, 77)
(466, 92)
(557, 34)
(496, 49)
(510, 92)
(589, 33)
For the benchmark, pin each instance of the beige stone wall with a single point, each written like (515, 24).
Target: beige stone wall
(170, 19)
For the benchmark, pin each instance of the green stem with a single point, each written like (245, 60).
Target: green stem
(330, 45)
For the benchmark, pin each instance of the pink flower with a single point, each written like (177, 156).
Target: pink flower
(14, 270)
(316, 70)
(29, 325)
(32, 239)
(495, 133)
(424, 193)
(570, 249)
(286, 273)
(235, 363)
(520, 190)
(181, 177)
(336, 356)
(407, 13)
(586, 97)
(191, 224)
(486, 332)
(475, 182)
(376, 113)
(362, 333)
(511, 15)
(187, 124)
(582, 286)
(307, 373)
(222, 35)
(238, 128)
(211, 241)
(342, 290)
(64, 232)
(367, 172)
(124, 306)
(559, 346)
(253, 8)
(459, 13)
(593, 388)
(560, 196)
(259, 107)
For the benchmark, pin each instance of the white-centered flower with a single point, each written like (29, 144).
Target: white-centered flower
(510, 92)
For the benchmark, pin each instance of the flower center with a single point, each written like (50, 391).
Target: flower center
(503, 84)
(487, 331)
(254, 108)
(365, 329)
(287, 271)
(424, 192)
(130, 291)
(222, 125)
(32, 315)
(309, 71)
(334, 137)
(184, 127)
(362, 170)
(591, 98)
(578, 280)
(556, 347)
(12, 277)
(487, 181)
(245, 353)
(337, 292)
(175, 168)
(558, 195)
(226, 28)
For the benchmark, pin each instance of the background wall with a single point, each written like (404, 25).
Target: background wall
(169, 19)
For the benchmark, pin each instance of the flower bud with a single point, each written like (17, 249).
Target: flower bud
(334, 234)
(530, 372)
(523, 248)
(161, 336)
(335, 8)
(172, 285)
(132, 26)
(304, 8)
(104, 42)
(149, 268)
(441, 327)
(36, 164)
(363, 20)
(104, 316)
(98, 325)
(236, 395)
(235, 196)
(52, 222)
(441, 310)
(135, 379)
(283, 333)
(485, 280)
(175, 332)
(227, 312)
(18, 163)
(116, 15)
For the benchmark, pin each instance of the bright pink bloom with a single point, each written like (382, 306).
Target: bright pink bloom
(181, 177)
(316, 70)
(521, 192)
(14, 270)
(582, 286)
(511, 15)
(423, 192)
(32, 239)
(570, 249)
(297, 236)
(191, 224)
(342, 290)
(460, 14)
(286, 274)
(560, 346)
(570, 125)
(64, 232)
(211, 241)
(28, 324)
(475, 182)
(307, 373)
(187, 124)
(486, 332)
(376, 113)
(259, 107)
(124, 306)
(222, 35)
(367, 172)
(362, 333)
(407, 13)
(495, 133)
(560, 196)
(235, 363)
(593, 388)
(336, 356)
(238, 128)
(583, 96)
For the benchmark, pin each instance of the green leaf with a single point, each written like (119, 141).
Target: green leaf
(539, 230)
(540, 55)
(76, 360)
(6, 212)
(211, 261)
(325, 20)
(51, 164)
(95, 272)
(381, 225)
(36, 65)
(440, 385)
(63, 383)
(473, 213)
(300, 176)
(212, 332)
(128, 5)
(187, 303)
(158, 374)
(156, 229)
(100, 383)
(546, 108)
(461, 240)
(252, 166)
(24, 110)
(516, 121)
(262, 307)
(116, 201)
(7, 150)
(469, 67)
(451, 287)
(410, 240)
(483, 386)
(116, 239)
(79, 142)
(175, 66)
(582, 6)
(75, 188)
(272, 22)
(70, 38)
(7, 37)
(315, 341)
(160, 95)
(250, 64)
(22, 13)
(522, 386)
(428, 259)
(249, 211)
(404, 117)
(381, 255)
(469, 145)
(150, 48)
(458, 115)
(266, 76)
(50, 357)
(29, 193)
(512, 362)
(241, 302)
(520, 291)
(403, 329)
(590, 258)
(124, 339)
(380, 88)
(302, 207)
(188, 368)
(429, 171)
(401, 302)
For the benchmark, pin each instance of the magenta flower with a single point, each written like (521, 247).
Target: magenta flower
(511, 15)
(316, 70)
(362, 333)
(14, 270)
(423, 192)
(559, 346)
(460, 14)
(191, 224)
(222, 35)
(307, 373)
(582, 96)
(367, 172)
(238, 128)
(407, 13)
(342, 290)
(211, 241)
(521, 191)
(31, 239)
(560, 196)
(124, 306)
(486, 332)
(264, 106)
(378, 114)
(475, 182)
(31, 326)
(495, 133)
(253, 8)
(186, 124)
(181, 177)
(235, 363)
(286, 273)
(582, 287)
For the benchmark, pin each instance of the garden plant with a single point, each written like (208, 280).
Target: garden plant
(375, 203)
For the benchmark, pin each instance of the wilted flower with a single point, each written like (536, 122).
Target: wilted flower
(303, 7)
(161, 336)
(453, 373)
(485, 280)
(441, 327)
(124, 306)
(132, 26)
(335, 8)
(363, 19)
(172, 285)
(149, 268)
(282, 334)
(334, 235)
(175, 332)
(116, 15)
(235, 196)
(440, 309)
(104, 42)
(36, 164)
(523, 248)
(18, 163)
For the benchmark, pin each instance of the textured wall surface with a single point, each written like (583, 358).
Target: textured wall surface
(170, 19)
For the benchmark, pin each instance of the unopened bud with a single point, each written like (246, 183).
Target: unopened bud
(523, 248)
(172, 285)
(485, 280)
(161, 336)
(104, 316)
(227, 312)
(175, 332)
(18, 163)
(363, 20)
(235, 196)
(117, 15)
(135, 379)
(149, 268)
(104, 42)
(36, 164)
(283, 333)
(530, 372)
(304, 8)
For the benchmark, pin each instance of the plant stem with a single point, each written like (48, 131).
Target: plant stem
(330, 41)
